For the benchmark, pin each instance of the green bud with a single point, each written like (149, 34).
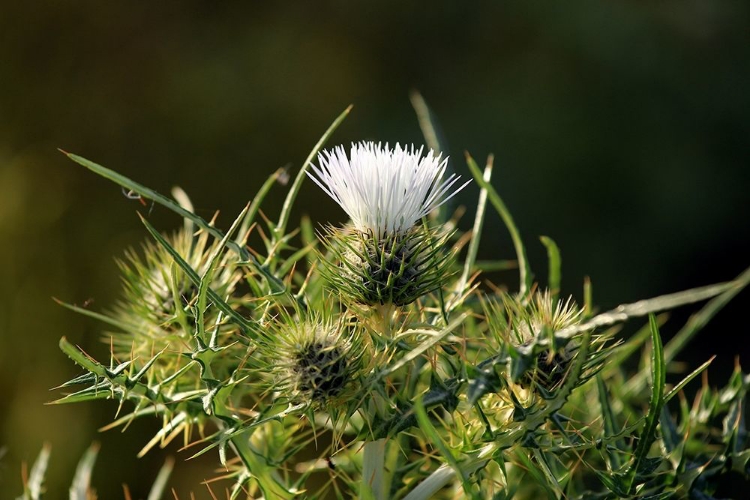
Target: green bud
(394, 269)
(157, 307)
(313, 360)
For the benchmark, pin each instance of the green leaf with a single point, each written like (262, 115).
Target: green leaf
(275, 284)
(476, 232)
(495, 265)
(404, 418)
(115, 382)
(658, 378)
(699, 320)
(670, 436)
(588, 298)
(551, 479)
(525, 274)
(435, 337)
(227, 435)
(434, 139)
(555, 266)
(657, 304)
(721, 294)
(687, 379)
(150, 194)
(613, 482)
(432, 435)
(632, 345)
(485, 379)
(286, 209)
(610, 425)
(427, 122)
(539, 477)
(208, 276)
(92, 314)
(255, 204)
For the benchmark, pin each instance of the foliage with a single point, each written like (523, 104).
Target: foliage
(403, 374)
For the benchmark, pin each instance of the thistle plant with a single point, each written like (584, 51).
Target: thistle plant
(372, 362)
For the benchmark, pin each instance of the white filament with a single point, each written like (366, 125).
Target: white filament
(382, 190)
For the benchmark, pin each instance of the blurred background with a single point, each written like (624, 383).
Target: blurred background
(620, 130)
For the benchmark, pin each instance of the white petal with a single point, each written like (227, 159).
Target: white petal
(384, 190)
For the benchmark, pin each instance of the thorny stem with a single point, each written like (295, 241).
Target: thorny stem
(373, 461)
(386, 312)
(258, 470)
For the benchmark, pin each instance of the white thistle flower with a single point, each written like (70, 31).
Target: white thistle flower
(384, 191)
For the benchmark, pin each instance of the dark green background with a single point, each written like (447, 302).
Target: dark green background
(620, 130)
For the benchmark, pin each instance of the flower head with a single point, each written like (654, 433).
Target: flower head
(384, 191)
(157, 309)
(314, 359)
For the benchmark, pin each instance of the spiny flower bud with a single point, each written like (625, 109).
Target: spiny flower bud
(396, 269)
(313, 360)
(321, 369)
(541, 359)
(156, 310)
(550, 368)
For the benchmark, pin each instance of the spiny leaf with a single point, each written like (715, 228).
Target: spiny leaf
(275, 284)
(610, 425)
(658, 377)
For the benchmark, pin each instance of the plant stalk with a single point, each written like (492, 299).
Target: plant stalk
(373, 470)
